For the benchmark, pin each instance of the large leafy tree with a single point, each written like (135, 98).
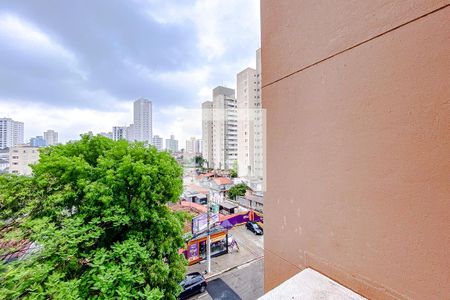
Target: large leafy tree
(237, 190)
(97, 211)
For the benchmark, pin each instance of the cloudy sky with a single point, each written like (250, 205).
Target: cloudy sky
(76, 66)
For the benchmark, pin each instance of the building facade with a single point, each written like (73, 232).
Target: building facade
(20, 159)
(51, 137)
(207, 131)
(193, 146)
(11, 133)
(246, 100)
(119, 133)
(38, 141)
(172, 144)
(143, 121)
(224, 128)
(130, 133)
(358, 144)
(158, 142)
(220, 129)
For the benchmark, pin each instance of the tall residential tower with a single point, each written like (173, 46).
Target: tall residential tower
(51, 137)
(11, 133)
(143, 123)
(220, 129)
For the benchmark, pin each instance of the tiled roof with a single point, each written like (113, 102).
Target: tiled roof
(222, 180)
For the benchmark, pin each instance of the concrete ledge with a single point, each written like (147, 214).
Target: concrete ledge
(309, 284)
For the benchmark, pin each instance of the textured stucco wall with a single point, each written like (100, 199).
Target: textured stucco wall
(358, 144)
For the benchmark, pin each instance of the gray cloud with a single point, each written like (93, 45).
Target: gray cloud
(76, 66)
(108, 40)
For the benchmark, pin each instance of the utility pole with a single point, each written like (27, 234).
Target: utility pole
(208, 241)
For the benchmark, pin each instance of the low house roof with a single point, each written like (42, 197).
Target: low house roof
(222, 180)
(228, 205)
(196, 189)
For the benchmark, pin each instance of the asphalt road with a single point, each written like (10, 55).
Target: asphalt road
(245, 282)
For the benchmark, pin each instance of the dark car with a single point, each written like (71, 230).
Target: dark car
(192, 284)
(253, 227)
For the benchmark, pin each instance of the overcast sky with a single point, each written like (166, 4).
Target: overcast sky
(77, 66)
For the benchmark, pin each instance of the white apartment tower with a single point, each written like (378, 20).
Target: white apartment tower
(143, 121)
(158, 142)
(119, 133)
(193, 146)
(250, 121)
(130, 133)
(224, 129)
(11, 133)
(207, 131)
(51, 137)
(172, 144)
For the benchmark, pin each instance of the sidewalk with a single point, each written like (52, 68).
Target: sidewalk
(250, 249)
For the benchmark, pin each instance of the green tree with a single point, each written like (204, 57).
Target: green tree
(199, 160)
(234, 170)
(237, 190)
(97, 209)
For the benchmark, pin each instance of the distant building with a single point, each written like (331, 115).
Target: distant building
(51, 137)
(158, 142)
(207, 131)
(172, 144)
(11, 133)
(143, 121)
(4, 164)
(20, 159)
(250, 121)
(106, 134)
(119, 133)
(219, 125)
(38, 141)
(193, 146)
(130, 133)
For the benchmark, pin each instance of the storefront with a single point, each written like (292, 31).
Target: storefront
(196, 248)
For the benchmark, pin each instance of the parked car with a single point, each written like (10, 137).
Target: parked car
(254, 227)
(192, 284)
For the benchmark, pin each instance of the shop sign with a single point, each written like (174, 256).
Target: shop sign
(193, 252)
(200, 223)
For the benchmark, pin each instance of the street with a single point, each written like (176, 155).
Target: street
(245, 282)
(236, 275)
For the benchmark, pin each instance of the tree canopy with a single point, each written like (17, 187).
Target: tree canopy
(237, 190)
(97, 211)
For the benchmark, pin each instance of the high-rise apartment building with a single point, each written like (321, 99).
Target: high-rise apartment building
(38, 141)
(358, 125)
(143, 121)
(246, 104)
(129, 131)
(219, 126)
(158, 142)
(193, 146)
(11, 133)
(119, 133)
(20, 159)
(51, 137)
(259, 135)
(207, 131)
(172, 144)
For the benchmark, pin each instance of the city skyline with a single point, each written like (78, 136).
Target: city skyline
(175, 55)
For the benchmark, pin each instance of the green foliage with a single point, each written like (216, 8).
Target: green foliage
(234, 170)
(237, 190)
(199, 160)
(97, 209)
